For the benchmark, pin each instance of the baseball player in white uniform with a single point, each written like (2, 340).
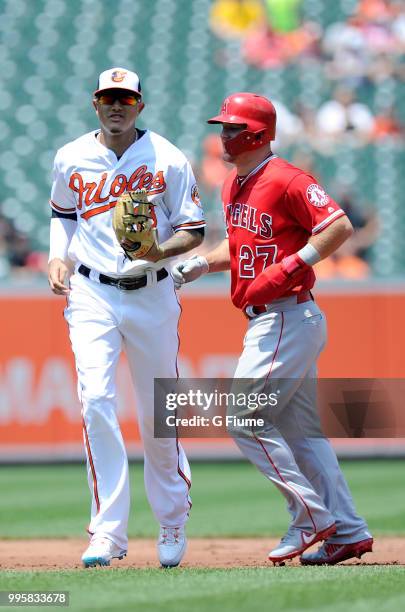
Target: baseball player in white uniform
(114, 303)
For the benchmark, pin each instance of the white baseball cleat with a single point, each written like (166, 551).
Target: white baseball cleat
(171, 545)
(296, 541)
(100, 552)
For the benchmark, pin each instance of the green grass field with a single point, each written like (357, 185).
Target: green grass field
(337, 589)
(231, 500)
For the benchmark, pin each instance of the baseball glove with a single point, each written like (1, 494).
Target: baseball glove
(133, 224)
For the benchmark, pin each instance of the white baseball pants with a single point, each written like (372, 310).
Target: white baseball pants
(103, 321)
(284, 344)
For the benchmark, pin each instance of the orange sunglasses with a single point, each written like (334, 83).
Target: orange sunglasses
(125, 100)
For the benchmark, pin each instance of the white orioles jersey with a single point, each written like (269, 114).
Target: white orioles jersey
(88, 178)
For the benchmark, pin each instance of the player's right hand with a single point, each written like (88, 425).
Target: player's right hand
(189, 270)
(58, 273)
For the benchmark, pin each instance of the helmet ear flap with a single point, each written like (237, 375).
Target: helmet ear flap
(246, 140)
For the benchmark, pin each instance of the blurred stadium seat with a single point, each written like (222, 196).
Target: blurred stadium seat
(51, 52)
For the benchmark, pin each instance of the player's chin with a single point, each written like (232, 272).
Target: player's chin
(115, 130)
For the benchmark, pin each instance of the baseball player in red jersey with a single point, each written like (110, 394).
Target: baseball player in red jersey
(280, 222)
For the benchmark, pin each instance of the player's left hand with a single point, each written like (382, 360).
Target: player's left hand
(275, 280)
(154, 254)
(134, 226)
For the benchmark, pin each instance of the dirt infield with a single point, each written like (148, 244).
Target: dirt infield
(202, 553)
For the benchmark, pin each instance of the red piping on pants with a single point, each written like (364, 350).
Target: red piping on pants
(179, 470)
(93, 471)
(261, 443)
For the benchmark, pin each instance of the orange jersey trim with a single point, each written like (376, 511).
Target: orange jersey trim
(60, 209)
(189, 224)
(98, 211)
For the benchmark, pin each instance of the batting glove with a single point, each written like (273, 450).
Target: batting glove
(189, 270)
(275, 280)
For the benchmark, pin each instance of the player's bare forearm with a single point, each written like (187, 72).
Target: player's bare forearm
(328, 241)
(181, 242)
(218, 259)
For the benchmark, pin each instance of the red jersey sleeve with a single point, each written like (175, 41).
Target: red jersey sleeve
(310, 205)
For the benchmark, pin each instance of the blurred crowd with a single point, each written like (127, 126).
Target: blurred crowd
(342, 119)
(359, 63)
(18, 259)
(359, 60)
(273, 33)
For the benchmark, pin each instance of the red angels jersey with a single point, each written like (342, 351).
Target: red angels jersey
(270, 214)
(88, 178)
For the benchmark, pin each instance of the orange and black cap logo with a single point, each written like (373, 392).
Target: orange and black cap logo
(118, 76)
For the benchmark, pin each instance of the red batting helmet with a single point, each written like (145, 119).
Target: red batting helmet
(256, 113)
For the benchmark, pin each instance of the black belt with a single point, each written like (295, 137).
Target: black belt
(301, 297)
(127, 283)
